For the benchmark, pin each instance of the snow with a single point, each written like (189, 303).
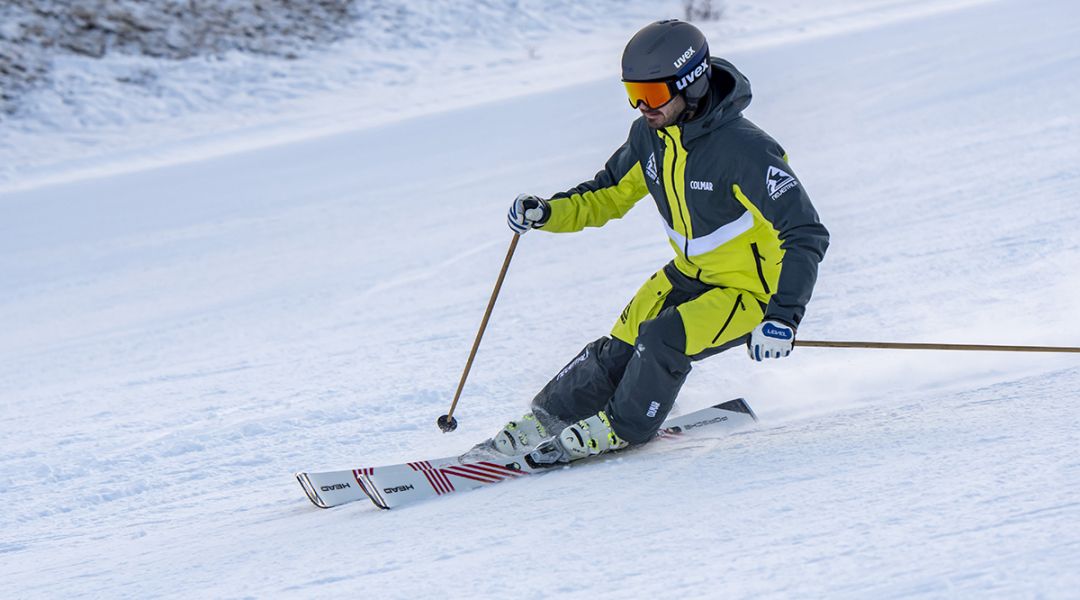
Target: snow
(178, 340)
(130, 112)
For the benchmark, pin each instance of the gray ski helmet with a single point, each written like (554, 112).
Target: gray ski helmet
(672, 51)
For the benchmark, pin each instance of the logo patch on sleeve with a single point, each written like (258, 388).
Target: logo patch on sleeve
(777, 181)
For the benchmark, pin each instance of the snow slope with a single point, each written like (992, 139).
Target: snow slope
(177, 341)
(128, 112)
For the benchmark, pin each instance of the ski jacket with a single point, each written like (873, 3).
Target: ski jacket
(734, 211)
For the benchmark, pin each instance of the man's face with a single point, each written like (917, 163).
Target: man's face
(665, 115)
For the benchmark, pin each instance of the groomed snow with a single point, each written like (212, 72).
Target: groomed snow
(100, 117)
(178, 341)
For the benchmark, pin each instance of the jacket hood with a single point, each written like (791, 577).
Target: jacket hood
(729, 95)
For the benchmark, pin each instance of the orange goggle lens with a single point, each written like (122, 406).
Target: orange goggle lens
(653, 93)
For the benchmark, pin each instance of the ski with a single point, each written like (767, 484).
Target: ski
(392, 486)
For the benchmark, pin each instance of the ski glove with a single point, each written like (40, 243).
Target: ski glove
(527, 212)
(771, 339)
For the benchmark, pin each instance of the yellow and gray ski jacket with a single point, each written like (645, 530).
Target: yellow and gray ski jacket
(734, 211)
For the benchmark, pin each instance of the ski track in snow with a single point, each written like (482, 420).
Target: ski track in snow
(178, 341)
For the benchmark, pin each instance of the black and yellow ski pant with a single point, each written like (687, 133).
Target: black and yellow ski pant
(635, 375)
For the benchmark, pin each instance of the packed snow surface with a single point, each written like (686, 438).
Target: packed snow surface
(177, 341)
(128, 111)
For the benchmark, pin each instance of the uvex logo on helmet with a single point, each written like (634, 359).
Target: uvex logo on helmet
(692, 76)
(685, 57)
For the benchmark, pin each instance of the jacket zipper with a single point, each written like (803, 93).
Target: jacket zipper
(678, 201)
(738, 304)
(758, 259)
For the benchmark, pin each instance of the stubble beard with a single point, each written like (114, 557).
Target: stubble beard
(671, 112)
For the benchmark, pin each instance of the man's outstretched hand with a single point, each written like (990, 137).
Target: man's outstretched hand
(527, 212)
(771, 339)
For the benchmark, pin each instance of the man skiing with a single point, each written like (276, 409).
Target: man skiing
(747, 245)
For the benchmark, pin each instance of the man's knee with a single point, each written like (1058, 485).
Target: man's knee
(603, 355)
(652, 380)
(663, 339)
(613, 354)
(587, 382)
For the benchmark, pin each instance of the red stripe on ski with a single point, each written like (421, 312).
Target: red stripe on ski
(499, 467)
(431, 481)
(456, 473)
(447, 486)
(445, 479)
(494, 468)
(432, 477)
(458, 469)
(479, 472)
(488, 472)
(356, 475)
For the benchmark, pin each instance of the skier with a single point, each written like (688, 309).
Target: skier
(747, 245)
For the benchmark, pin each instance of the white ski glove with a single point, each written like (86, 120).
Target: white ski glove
(770, 339)
(527, 212)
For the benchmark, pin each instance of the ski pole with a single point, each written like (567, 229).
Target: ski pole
(908, 346)
(447, 422)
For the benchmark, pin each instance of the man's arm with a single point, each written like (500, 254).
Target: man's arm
(771, 185)
(610, 195)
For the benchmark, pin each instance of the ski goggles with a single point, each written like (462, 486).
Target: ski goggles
(653, 93)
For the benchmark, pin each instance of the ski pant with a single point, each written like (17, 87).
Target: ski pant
(635, 375)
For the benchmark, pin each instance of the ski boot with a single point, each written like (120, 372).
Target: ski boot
(521, 436)
(580, 440)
